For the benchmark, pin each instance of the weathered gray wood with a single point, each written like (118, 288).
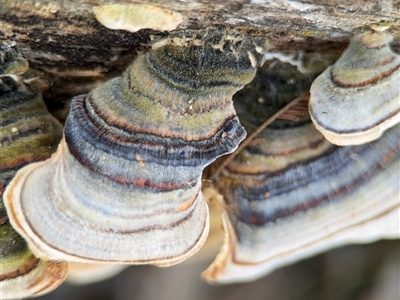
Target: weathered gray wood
(62, 38)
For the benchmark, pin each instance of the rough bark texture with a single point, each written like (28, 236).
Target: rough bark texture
(63, 39)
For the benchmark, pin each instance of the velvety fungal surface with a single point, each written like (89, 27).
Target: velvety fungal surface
(28, 133)
(293, 194)
(358, 98)
(124, 185)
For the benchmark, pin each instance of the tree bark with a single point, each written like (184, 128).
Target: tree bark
(63, 39)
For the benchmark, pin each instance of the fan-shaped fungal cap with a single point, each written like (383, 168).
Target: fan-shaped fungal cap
(28, 133)
(22, 275)
(124, 185)
(358, 98)
(294, 195)
(133, 17)
(339, 195)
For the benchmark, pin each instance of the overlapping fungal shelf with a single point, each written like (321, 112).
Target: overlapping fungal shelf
(294, 194)
(124, 185)
(358, 98)
(28, 133)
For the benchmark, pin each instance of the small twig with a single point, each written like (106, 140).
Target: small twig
(247, 141)
(256, 141)
(3, 220)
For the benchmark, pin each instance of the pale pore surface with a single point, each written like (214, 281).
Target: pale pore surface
(133, 17)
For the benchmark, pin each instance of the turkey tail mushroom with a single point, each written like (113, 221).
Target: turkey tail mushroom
(124, 185)
(358, 98)
(322, 197)
(28, 133)
(295, 194)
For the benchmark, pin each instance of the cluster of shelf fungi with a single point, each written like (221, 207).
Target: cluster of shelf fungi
(121, 182)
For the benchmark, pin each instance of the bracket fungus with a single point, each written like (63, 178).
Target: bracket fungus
(358, 98)
(294, 194)
(124, 185)
(133, 17)
(28, 133)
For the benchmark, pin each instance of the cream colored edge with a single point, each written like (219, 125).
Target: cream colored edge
(357, 138)
(51, 273)
(42, 250)
(224, 270)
